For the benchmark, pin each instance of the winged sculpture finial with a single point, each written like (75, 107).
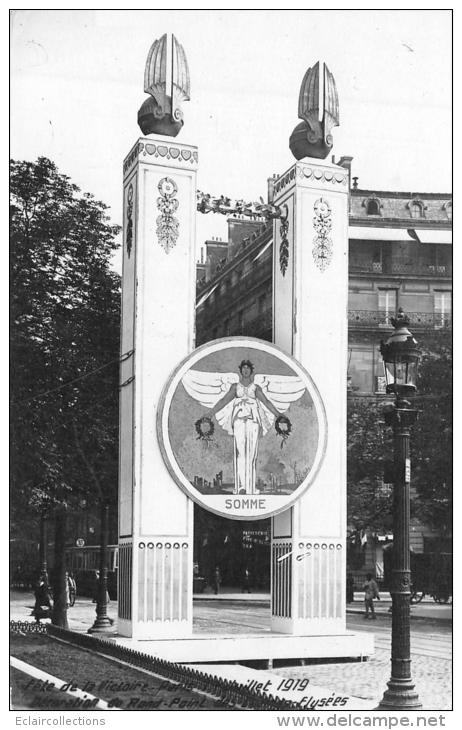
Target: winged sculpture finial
(161, 113)
(312, 137)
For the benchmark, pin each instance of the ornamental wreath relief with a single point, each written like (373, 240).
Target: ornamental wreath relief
(167, 224)
(322, 221)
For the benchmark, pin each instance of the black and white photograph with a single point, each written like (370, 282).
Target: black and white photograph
(231, 347)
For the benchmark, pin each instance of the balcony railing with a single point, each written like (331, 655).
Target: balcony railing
(397, 268)
(428, 320)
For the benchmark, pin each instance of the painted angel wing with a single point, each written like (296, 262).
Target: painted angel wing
(281, 390)
(208, 388)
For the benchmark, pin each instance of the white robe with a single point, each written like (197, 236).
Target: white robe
(246, 418)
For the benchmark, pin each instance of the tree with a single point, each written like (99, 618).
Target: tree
(64, 350)
(432, 436)
(370, 447)
(369, 503)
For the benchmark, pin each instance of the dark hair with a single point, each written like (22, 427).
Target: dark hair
(369, 576)
(248, 363)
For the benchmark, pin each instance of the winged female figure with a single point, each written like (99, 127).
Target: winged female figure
(245, 405)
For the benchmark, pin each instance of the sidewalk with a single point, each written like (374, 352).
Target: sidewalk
(232, 594)
(80, 617)
(427, 609)
(83, 613)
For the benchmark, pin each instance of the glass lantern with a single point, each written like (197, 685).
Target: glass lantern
(401, 356)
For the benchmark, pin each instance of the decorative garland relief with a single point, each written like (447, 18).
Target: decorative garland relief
(167, 224)
(129, 234)
(284, 245)
(322, 242)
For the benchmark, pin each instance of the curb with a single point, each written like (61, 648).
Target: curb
(414, 617)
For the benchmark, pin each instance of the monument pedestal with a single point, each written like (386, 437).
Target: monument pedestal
(211, 648)
(307, 597)
(310, 280)
(158, 295)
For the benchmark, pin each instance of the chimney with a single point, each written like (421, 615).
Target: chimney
(345, 162)
(271, 188)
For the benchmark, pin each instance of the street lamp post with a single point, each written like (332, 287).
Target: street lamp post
(103, 624)
(401, 356)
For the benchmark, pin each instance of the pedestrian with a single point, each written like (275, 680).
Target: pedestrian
(95, 586)
(216, 582)
(67, 589)
(42, 608)
(71, 589)
(371, 591)
(246, 580)
(350, 588)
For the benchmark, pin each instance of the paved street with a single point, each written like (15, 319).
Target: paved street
(431, 642)
(431, 650)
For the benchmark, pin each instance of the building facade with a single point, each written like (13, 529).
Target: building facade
(400, 255)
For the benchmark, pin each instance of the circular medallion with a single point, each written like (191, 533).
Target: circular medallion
(242, 428)
(167, 187)
(321, 208)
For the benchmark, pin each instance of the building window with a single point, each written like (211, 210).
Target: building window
(417, 208)
(447, 207)
(236, 276)
(388, 302)
(361, 370)
(442, 308)
(377, 259)
(372, 205)
(381, 381)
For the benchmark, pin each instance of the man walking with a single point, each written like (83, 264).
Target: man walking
(216, 580)
(371, 591)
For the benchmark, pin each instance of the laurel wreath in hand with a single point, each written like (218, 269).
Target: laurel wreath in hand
(283, 428)
(205, 428)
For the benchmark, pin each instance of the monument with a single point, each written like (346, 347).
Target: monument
(206, 424)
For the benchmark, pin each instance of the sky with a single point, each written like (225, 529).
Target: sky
(77, 85)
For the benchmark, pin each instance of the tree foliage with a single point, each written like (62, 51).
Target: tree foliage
(370, 448)
(368, 444)
(64, 331)
(431, 445)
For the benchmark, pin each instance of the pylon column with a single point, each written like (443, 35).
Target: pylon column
(310, 281)
(158, 295)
